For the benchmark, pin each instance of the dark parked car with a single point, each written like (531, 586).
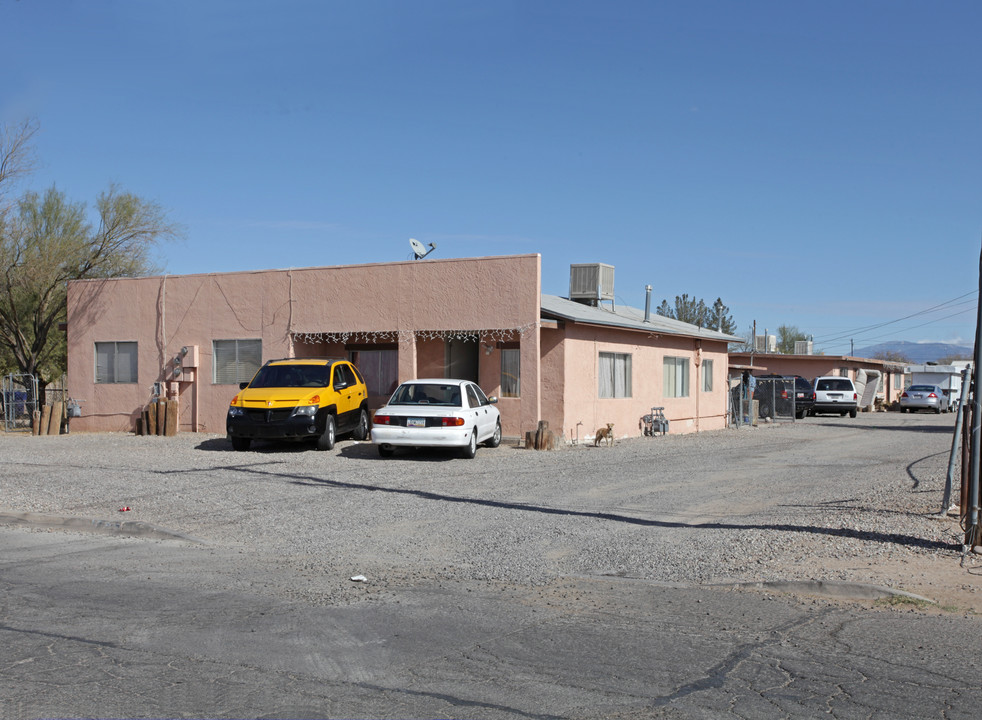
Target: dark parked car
(783, 395)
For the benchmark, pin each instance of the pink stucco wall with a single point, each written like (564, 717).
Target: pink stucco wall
(165, 313)
(582, 411)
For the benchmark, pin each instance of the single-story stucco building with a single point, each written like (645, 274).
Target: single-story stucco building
(576, 363)
(887, 374)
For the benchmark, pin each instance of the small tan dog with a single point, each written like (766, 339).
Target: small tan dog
(604, 433)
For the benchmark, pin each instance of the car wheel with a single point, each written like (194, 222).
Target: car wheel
(470, 449)
(842, 414)
(361, 432)
(852, 413)
(764, 411)
(799, 414)
(326, 440)
(386, 451)
(495, 440)
(937, 411)
(240, 444)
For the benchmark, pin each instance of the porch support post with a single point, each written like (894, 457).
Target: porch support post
(407, 356)
(531, 369)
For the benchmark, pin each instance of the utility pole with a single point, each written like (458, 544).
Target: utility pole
(852, 347)
(972, 530)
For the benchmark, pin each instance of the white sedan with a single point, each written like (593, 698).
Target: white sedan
(437, 413)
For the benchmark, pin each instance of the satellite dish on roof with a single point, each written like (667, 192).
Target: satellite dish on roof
(419, 250)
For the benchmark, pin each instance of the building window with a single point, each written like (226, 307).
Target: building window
(115, 362)
(615, 375)
(511, 384)
(676, 372)
(380, 368)
(844, 372)
(236, 361)
(707, 375)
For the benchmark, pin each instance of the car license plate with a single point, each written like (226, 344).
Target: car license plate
(801, 395)
(835, 396)
(415, 422)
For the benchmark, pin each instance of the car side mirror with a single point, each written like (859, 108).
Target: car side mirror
(493, 399)
(243, 385)
(340, 385)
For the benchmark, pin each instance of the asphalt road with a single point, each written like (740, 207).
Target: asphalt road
(96, 627)
(103, 625)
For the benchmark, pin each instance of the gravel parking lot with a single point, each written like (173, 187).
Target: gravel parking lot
(831, 499)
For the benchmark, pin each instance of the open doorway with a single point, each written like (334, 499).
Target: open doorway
(461, 358)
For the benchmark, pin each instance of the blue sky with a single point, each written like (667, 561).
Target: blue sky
(812, 164)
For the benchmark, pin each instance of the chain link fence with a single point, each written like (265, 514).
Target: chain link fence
(771, 398)
(20, 401)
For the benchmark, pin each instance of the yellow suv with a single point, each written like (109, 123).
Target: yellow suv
(299, 399)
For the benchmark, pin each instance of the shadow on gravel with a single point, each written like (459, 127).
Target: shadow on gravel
(274, 446)
(348, 449)
(886, 538)
(946, 429)
(910, 468)
(368, 451)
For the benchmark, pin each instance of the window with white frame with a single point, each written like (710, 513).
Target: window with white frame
(511, 382)
(707, 375)
(115, 362)
(236, 361)
(676, 377)
(615, 375)
(844, 372)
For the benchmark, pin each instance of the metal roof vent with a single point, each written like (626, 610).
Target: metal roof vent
(591, 283)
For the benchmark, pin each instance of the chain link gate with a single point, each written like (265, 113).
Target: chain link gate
(775, 398)
(20, 401)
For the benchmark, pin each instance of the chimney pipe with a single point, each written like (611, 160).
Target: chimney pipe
(647, 303)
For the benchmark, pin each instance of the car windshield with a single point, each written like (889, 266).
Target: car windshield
(922, 388)
(272, 376)
(834, 384)
(427, 394)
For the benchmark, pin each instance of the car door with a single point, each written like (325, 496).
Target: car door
(485, 418)
(476, 412)
(348, 393)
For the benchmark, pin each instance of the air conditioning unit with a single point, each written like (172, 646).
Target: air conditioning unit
(803, 347)
(591, 283)
(765, 343)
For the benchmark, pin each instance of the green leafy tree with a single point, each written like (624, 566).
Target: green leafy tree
(695, 312)
(721, 319)
(787, 336)
(50, 242)
(45, 241)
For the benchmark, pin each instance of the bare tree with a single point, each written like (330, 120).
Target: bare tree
(17, 159)
(893, 356)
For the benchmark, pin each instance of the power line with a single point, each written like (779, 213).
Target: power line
(857, 331)
(913, 327)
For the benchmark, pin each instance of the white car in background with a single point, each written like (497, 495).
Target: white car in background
(834, 394)
(437, 413)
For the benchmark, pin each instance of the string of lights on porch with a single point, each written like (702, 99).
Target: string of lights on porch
(406, 336)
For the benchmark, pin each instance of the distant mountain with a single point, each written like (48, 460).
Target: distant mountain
(918, 353)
